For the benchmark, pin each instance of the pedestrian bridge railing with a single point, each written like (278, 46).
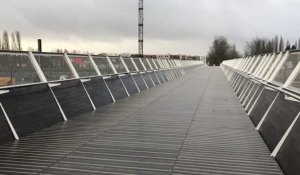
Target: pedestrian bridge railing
(268, 86)
(38, 90)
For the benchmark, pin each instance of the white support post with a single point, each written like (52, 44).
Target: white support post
(281, 63)
(149, 64)
(124, 64)
(127, 70)
(76, 75)
(259, 95)
(266, 113)
(44, 80)
(143, 64)
(111, 65)
(71, 66)
(15, 134)
(282, 140)
(115, 72)
(273, 67)
(95, 65)
(37, 67)
(137, 69)
(156, 67)
(292, 77)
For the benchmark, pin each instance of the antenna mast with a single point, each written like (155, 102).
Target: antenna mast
(141, 28)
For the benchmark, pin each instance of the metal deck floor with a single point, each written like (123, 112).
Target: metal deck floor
(191, 125)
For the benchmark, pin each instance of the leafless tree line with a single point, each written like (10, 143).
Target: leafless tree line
(11, 43)
(263, 45)
(221, 50)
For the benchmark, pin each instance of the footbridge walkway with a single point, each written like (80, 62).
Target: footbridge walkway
(166, 117)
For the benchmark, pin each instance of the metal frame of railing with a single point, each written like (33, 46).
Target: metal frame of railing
(274, 72)
(86, 62)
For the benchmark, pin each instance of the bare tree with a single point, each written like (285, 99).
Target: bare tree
(281, 44)
(0, 43)
(5, 41)
(288, 45)
(298, 44)
(275, 43)
(221, 50)
(13, 42)
(18, 40)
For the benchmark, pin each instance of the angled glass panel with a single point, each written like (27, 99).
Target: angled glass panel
(273, 66)
(166, 63)
(152, 63)
(17, 69)
(163, 65)
(117, 62)
(264, 65)
(157, 63)
(255, 64)
(296, 83)
(261, 64)
(129, 64)
(287, 68)
(83, 65)
(103, 65)
(138, 64)
(145, 62)
(54, 66)
(173, 62)
(170, 63)
(268, 66)
(252, 60)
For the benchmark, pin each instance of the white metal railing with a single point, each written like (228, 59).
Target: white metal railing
(23, 68)
(279, 70)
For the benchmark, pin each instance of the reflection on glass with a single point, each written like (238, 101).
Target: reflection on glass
(296, 82)
(83, 66)
(116, 61)
(145, 62)
(152, 63)
(129, 64)
(287, 68)
(268, 66)
(157, 63)
(54, 67)
(16, 70)
(138, 64)
(256, 63)
(103, 65)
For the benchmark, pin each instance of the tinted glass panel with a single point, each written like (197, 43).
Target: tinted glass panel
(157, 63)
(268, 66)
(117, 62)
(54, 67)
(138, 64)
(296, 82)
(152, 63)
(145, 62)
(83, 66)
(129, 64)
(16, 69)
(103, 65)
(287, 68)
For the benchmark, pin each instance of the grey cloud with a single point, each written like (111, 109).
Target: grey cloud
(170, 25)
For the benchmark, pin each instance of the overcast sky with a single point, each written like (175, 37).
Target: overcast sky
(171, 26)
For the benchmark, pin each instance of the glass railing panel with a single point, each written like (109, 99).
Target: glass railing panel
(83, 65)
(287, 68)
(117, 62)
(17, 69)
(103, 65)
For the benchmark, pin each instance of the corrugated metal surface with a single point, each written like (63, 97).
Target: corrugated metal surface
(192, 125)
